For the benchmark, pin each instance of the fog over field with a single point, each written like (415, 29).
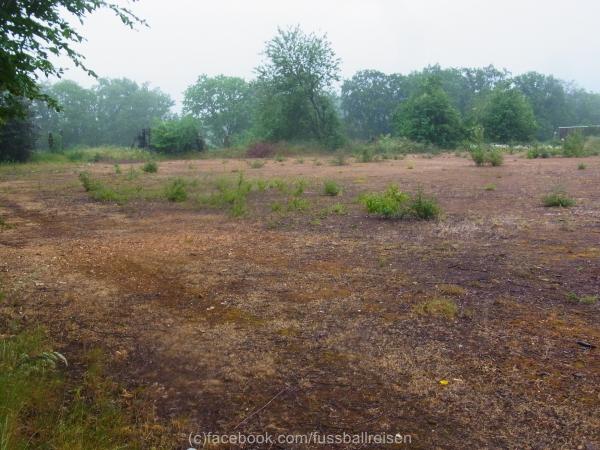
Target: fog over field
(188, 37)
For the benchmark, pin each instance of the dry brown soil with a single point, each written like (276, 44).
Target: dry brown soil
(306, 321)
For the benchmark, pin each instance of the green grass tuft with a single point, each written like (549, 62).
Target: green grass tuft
(558, 198)
(150, 167)
(331, 188)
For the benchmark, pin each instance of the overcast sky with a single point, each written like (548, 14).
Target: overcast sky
(188, 37)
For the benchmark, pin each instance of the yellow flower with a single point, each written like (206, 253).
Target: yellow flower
(444, 382)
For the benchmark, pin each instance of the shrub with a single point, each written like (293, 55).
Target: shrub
(494, 157)
(482, 156)
(176, 191)
(423, 207)
(573, 145)
(176, 136)
(389, 204)
(478, 156)
(331, 188)
(581, 166)
(261, 150)
(150, 167)
(490, 187)
(558, 198)
(394, 203)
(117, 169)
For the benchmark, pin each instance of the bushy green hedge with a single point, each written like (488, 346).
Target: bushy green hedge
(177, 136)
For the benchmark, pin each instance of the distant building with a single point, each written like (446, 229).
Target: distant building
(586, 130)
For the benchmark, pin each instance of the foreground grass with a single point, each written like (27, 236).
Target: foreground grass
(39, 408)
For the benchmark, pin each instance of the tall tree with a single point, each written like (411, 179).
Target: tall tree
(296, 80)
(223, 104)
(111, 112)
(75, 124)
(124, 107)
(368, 102)
(429, 116)
(547, 97)
(508, 117)
(17, 136)
(31, 34)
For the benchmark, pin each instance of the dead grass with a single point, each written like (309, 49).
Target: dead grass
(437, 307)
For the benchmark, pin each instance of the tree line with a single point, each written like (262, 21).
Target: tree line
(298, 95)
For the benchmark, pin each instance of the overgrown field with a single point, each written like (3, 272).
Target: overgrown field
(142, 299)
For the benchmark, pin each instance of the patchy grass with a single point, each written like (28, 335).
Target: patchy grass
(297, 204)
(451, 290)
(40, 408)
(584, 299)
(490, 187)
(230, 194)
(338, 208)
(437, 307)
(256, 164)
(558, 198)
(339, 159)
(91, 155)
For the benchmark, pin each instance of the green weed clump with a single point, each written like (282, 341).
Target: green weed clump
(176, 191)
(150, 167)
(581, 166)
(423, 207)
(395, 204)
(558, 198)
(331, 188)
(482, 156)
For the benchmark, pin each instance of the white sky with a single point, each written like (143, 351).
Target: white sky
(190, 37)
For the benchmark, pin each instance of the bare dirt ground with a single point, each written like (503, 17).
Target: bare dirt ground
(308, 322)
